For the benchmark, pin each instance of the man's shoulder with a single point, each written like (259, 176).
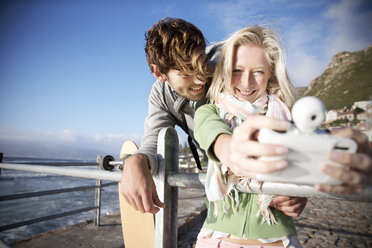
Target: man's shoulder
(157, 85)
(160, 88)
(161, 95)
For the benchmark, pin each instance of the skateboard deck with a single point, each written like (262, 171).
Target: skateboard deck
(138, 229)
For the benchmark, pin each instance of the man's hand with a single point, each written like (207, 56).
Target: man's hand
(359, 164)
(289, 205)
(138, 187)
(240, 151)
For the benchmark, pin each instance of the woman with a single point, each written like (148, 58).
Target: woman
(250, 79)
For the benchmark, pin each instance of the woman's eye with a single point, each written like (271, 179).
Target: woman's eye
(259, 72)
(236, 71)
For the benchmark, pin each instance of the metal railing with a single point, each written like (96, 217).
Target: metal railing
(34, 167)
(167, 180)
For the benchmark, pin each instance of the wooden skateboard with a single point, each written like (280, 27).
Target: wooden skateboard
(138, 229)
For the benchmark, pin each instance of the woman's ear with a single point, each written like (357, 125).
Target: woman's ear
(157, 74)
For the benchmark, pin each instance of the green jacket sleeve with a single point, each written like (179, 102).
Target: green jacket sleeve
(208, 126)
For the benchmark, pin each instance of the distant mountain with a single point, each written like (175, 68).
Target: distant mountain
(347, 79)
(40, 150)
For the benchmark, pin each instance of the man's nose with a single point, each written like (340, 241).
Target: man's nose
(199, 81)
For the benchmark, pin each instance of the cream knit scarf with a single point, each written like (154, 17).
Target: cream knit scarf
(234, 113)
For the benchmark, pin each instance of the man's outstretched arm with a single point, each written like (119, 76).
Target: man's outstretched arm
(137, 184)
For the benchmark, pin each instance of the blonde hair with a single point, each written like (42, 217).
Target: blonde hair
(279, 83)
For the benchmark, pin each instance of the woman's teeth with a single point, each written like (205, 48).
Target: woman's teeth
(246, 93)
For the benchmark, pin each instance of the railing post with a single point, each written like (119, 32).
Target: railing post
(166, 220)
(97, 211)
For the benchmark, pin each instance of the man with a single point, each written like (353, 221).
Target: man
(175, 51)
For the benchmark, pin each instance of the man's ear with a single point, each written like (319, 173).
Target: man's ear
(157, 74)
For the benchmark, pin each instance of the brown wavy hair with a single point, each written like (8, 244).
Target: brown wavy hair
(177, 44)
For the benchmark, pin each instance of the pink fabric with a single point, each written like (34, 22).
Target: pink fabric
(217, 243)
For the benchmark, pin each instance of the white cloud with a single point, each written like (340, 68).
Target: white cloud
(304, 68)
(312, 43)
(104, 142)
(7, 133)
(304, 62)
(350, 26)
(64, 136)
(236, 14)
(312, 39)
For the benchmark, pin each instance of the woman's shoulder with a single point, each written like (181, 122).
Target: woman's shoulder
(208, 108)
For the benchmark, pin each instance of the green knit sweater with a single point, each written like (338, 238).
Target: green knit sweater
(242, 222)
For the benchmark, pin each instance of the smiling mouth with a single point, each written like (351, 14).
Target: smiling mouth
(246, 93)
(196, 88)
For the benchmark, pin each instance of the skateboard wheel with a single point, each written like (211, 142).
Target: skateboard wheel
(104, 163)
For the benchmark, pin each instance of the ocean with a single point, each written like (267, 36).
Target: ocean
(17, 182)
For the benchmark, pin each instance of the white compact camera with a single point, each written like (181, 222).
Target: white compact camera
(308, 147)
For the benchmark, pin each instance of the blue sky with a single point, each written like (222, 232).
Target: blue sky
(74, 72)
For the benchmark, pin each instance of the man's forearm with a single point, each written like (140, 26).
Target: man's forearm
(151, 161)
